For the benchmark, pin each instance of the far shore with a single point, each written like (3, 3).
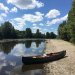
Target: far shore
(11, 40)
(65, 66)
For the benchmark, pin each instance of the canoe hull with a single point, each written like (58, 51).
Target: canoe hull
(49, 58)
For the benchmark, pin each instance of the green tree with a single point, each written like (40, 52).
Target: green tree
(71, 23)
(8, 30)
(52, 35)
(28, 33)
(38, 34)
(47, 35)
(63, 31)
(0, 33)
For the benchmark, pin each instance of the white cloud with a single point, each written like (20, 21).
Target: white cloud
(41, 24)
(45, 30)
(3, 14)
(1, 18)
(4, 8)
(57, 20)
(26, 4)
(34, 28)
(34, 24)
(33, 18)
(14, 9)
(18, 23)
(53, 13)
(55, 30)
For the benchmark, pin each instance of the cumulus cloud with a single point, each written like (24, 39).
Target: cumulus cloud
(34, 24)
(18, 23)
(33, 18)
(26, 4)
(53, 13)
(14, 9)
(41, 24)
(2, 16)
(3, 7)
(34, 28)
(57, 20)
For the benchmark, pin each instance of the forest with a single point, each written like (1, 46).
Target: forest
(7, 31)
(66, 30)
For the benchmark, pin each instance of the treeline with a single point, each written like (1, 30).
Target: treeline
(66, 30)
(7, 31)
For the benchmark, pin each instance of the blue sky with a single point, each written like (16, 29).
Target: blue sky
(45, 15)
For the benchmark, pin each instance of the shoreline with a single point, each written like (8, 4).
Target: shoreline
(12, 40)
(65, 66)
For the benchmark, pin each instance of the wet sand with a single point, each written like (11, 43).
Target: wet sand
(65, 66)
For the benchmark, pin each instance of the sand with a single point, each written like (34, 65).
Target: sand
(65, 66)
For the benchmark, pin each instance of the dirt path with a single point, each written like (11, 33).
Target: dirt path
(65, 66)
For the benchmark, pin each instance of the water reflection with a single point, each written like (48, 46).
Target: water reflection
(7, 47)
(29, 70)
(28, 43)
(31, 67)
(11, 57)
(37, 43)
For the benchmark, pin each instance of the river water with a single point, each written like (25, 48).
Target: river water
(11, 57)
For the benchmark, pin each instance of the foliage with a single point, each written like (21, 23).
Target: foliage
(50, 35)
(66, 30)
(28, 33)
(62, 31)
(7, 31)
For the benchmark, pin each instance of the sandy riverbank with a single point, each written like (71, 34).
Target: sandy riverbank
(65, 66)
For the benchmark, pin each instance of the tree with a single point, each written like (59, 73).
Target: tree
(0, 33)
(37, 34)
(71, 23)
(52, 35)
(8, 31)
(28, 33)
(47, 35)
(63, 31)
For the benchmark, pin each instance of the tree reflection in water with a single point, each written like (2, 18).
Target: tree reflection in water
(28, 43)
(6, 47)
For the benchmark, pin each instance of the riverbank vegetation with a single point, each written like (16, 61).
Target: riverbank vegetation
(7, 31)
(66, 30)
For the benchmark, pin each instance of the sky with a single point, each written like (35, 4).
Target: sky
(45, 15)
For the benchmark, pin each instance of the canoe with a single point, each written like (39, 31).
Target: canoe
(44, 59)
